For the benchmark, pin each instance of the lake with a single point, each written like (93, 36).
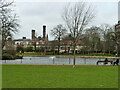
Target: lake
(54, 60)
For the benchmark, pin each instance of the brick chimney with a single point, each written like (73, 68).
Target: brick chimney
(44, 32)
(47, 37)
(9, 39)
(33, 34)
(24, 38)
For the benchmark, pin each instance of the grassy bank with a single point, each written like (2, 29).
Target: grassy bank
(36, 76)
(100, 55)
(50, 53)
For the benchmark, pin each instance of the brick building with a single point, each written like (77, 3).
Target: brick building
(45, 43)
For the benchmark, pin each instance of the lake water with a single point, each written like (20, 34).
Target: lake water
(56, 61)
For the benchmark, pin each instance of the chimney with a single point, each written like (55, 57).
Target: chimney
(47, 37)
(24, 38)
(44, 32)
(33, 34)
(9, 39)
(119, 22)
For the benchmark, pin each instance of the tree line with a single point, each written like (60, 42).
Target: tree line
(100, 39)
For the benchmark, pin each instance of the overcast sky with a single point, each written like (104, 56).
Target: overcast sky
(33, 15)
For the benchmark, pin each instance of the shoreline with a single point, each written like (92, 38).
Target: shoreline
(72, 56)
(59, 65)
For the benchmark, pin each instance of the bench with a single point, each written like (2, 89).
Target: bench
(105, 62)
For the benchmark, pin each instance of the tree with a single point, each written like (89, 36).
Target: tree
(77, 16)
(92, 40)
(108, 42)
(8, 20)
(58, 32)
(67, 40)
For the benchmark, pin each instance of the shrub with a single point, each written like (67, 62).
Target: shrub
(10, 52)
(28, 49)
(37, 50)
(49, 53)
(6, 56)
(20, 48)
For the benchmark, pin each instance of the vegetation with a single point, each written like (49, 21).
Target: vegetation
(7, 56)
(35, 76)
(20, 48)
(9, 53)
(36, 53)
(100, 39)
(27, 49)
(8, 20)
(8, 26)
(66, 55)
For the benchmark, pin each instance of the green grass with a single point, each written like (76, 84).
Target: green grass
(36, 76)
(50, 54)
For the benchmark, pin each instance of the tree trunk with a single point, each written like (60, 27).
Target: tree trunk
(88, 52)
(58, 45)
(109, 52)
(58, 49)
(65, 48)
(35, 46)
(3, 43)
(74, 57)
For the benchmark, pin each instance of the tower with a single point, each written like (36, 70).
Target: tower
(119, 12)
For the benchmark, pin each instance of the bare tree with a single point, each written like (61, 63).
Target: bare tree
(92, 39)
(58, 32)
(108, 43)
(8, 21)
(77, 16)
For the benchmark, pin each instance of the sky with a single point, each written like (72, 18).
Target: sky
(34, 14)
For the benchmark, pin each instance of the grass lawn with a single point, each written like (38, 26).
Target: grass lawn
(50, 54)
(36, 76)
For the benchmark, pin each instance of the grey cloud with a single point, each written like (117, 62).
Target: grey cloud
(39, 8)
(35, 14)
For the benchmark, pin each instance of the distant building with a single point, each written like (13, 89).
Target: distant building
(0, 45)
(117, 29)
(30, 42)
(38, 41)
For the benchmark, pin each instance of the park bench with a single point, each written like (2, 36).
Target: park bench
(105, 62)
